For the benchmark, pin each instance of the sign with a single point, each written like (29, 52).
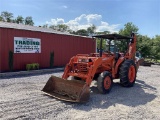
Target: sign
(27, 45)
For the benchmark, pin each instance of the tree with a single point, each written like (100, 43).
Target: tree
(59, 27)
(155, 51)
(144, 45)
(104, 32)
(103, 44)
(45, 26)
(13, 21)
(29, 21)
(127, 30)
(1, 18)
(53, 27)
(71, 31)
(82, 32)
(6, 16)
(103, 41)
(91, 30)
(62, 27)
(19, 20)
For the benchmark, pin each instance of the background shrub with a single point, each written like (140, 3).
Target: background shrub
(10, 60)
(51, 59)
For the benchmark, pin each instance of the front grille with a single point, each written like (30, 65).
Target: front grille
(82, 67)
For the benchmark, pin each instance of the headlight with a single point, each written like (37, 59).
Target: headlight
(79, 60)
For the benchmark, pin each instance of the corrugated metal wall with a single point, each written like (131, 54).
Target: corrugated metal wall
(0, 50)
(64, 47)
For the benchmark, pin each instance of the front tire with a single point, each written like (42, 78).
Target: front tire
(128, 73)
(104, 83)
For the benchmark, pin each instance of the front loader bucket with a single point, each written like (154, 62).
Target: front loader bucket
(67, 90)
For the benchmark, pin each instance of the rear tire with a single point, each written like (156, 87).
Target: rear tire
(104, 83)
(127, 73)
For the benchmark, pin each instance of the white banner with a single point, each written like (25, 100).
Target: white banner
(27, 45)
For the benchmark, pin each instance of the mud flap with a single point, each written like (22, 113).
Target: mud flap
(67, 90)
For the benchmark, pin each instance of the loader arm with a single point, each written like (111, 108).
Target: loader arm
(131, 48)
(68, 68)
(92, 70)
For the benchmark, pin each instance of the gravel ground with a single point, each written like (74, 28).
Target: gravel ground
(21, 98)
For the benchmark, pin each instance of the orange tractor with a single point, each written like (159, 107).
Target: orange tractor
(102, 66)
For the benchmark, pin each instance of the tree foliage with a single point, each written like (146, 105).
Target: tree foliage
(6, 16)
(1, 18)
(45, 26)
(103, 41)
(19, 20)
(28, 21)
(53, 27)
(144, 45)
(59, 27)
(82, 32)
(91, 30)
(155, 51)
(127, 30)
(62, 27)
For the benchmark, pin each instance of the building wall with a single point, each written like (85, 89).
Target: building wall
(0, 50)
(64, 47)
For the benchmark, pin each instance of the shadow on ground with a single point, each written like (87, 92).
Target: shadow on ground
(133, 96)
